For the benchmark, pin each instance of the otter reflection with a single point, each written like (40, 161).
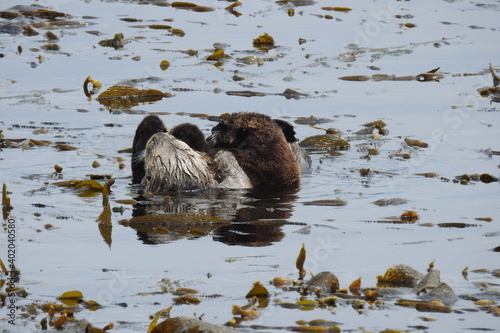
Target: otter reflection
(235, 217)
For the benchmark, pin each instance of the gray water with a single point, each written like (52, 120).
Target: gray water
(68, 240)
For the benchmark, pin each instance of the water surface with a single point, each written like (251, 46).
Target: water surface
(120, 266)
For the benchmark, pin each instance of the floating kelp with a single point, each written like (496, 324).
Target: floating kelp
(459, 225)
(191, 6)
(407, 25)
(325, 141)
(116, 42)
(485, 178)
(23, 143)
(428, 174)
(493, 92)
(290, 93)
(178, 32)
(64, 147)
(355, 286)
(432, 75)
(51, 47)
(6, 207)
(71, 298)
(410, 216)
(29, 31)
(246, 314)
(45, 14)
(96, 86)
(264, 42)
(51, 36)
(164, 65)
(326, 202)
(425, 306)
(125, 97)
(416, 143)
(299, 262)
(8, 15)
(337, 9)
(231, 7)
(258, 290)
(160, 26)
(89, 187)
(186, 300)
(217, 55)
(245, 93)
(399, 275)
(324, 281)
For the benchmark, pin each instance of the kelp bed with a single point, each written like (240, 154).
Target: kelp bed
(395, 225)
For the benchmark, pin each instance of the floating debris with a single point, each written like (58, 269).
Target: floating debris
(299, 263)
(399, 275)
(245, 93)
(264, 42)
(432, 75)
(416, 143)
(217, 55)
(124, 97)
(494, 91)
(337, 9)
(411, 216)
(191, 6)
(326, 202)
(258, 290)
(164, 65)
(324, 281)
(117, 42)
(329, 141)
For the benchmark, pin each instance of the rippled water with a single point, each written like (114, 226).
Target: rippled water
(119, 264)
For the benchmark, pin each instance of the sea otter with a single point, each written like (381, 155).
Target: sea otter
(246, 150)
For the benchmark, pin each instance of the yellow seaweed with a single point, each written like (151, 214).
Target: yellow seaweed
(217, 55)
(264, 42)
(258, 290)
(118, 96)
(299, 263)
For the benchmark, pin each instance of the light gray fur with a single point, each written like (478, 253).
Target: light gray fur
(172, 165)
(302, 156)
(230, 171)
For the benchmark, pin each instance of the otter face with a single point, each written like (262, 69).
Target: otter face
(244, 130)
(287, 129)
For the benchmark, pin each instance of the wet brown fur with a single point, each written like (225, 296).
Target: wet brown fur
(260, 148)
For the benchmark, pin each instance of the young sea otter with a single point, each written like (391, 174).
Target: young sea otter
(149, 126)
(248, 150)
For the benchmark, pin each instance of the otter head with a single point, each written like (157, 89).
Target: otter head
(260, 148)
(287, 129)
(149, 126)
